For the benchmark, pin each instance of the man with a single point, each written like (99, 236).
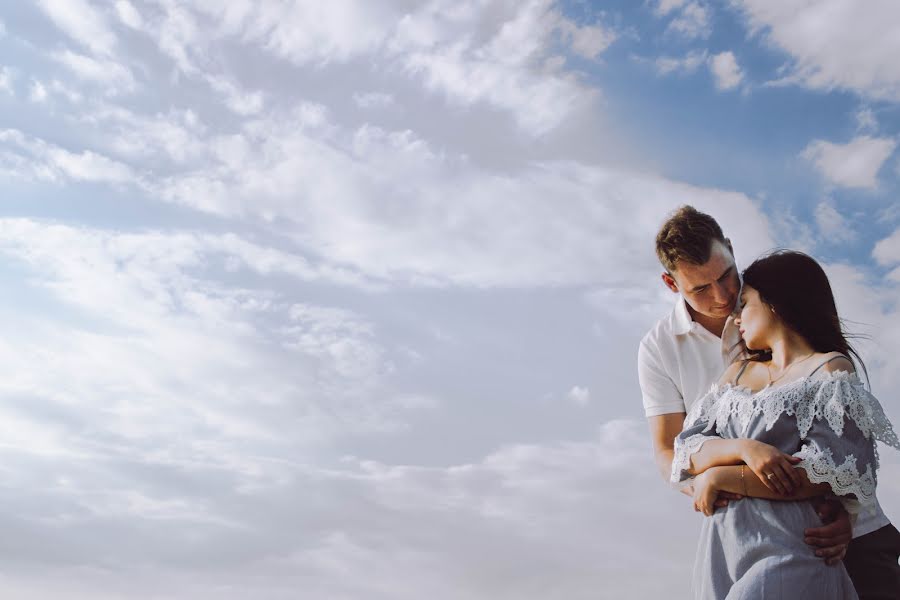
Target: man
(687, 351)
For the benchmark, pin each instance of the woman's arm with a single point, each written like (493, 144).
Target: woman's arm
(744, 481)
(760, 458)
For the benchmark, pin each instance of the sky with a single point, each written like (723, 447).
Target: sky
(342, 300)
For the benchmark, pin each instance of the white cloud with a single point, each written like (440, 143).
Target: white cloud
(6, 79)
(865, 120)
(58, 88)
(175, 137)
(48, 161)
(887, 251)
(511, 69)
(664, 7)
(373, 100)
(439, 219)
(693, 21)
(510, 64)
(37, 92)
(2, 29)
(588, 41)
(240, 101)
(167, 317)
(854, 164)
(128, 14)
(686, 64)
(115, 76)
(82, 22)
(725, 70)
(861, 58)
(475, 529)
(580, 395)
(833, 226)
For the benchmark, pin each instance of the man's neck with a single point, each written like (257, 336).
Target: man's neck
(714, 325)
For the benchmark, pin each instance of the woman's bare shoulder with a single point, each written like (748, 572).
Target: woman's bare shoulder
(731, 372)
(832, 361)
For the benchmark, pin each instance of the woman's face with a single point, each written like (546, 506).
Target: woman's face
(756, 320)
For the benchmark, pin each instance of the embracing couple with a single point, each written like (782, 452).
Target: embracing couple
(757, 412)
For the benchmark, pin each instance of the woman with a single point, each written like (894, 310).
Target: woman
(789, 423)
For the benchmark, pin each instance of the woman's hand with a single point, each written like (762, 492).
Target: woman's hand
(705, 492)
(773, 467)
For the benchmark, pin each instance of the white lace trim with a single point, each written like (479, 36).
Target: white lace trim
(833, 397)
(683, 451)
(844, 479)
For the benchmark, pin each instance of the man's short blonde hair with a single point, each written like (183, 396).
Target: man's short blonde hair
(687, 235)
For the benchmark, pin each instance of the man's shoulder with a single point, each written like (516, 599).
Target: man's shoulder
(661, 331)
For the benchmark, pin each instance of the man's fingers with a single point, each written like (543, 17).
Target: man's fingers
(827, 542)
(730, 496)
(834, 532)
(832, 551)
(836, 560)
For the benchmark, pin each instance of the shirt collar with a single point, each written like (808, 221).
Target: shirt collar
(682, 323)
(681, 318)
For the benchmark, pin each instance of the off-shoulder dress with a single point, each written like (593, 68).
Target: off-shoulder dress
(754, 547)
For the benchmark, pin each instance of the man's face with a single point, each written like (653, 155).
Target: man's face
(712, 288)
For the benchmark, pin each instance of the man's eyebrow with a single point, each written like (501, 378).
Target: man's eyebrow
(720, 278)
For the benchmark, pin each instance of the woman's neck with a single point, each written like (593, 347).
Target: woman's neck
(788, 348)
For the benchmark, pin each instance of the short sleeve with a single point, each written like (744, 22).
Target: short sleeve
(699, 428)
(839, 422)
(660, 394)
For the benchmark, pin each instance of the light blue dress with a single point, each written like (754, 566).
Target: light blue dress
(754, 548)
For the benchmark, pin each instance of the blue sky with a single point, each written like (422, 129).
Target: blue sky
(345, 297)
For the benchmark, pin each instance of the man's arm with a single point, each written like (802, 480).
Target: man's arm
(663, 429)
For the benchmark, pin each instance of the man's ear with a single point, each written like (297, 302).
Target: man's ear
(670, 282)
(728, 243)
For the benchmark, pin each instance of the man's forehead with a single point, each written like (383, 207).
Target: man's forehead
(708, 272)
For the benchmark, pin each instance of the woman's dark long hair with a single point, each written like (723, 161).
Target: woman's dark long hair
(796, 287)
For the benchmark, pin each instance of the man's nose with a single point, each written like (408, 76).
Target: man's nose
(721, 293)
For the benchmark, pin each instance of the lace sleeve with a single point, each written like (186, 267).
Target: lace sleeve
(839, 422)
(696, 432)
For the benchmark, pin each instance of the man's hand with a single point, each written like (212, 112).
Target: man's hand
(831, 539)
(724, 498)
(721, 501)
(705, 493)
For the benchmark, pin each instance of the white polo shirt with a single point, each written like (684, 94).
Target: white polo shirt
(679, 360)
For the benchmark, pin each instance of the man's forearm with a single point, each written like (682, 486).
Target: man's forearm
(664, 457)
